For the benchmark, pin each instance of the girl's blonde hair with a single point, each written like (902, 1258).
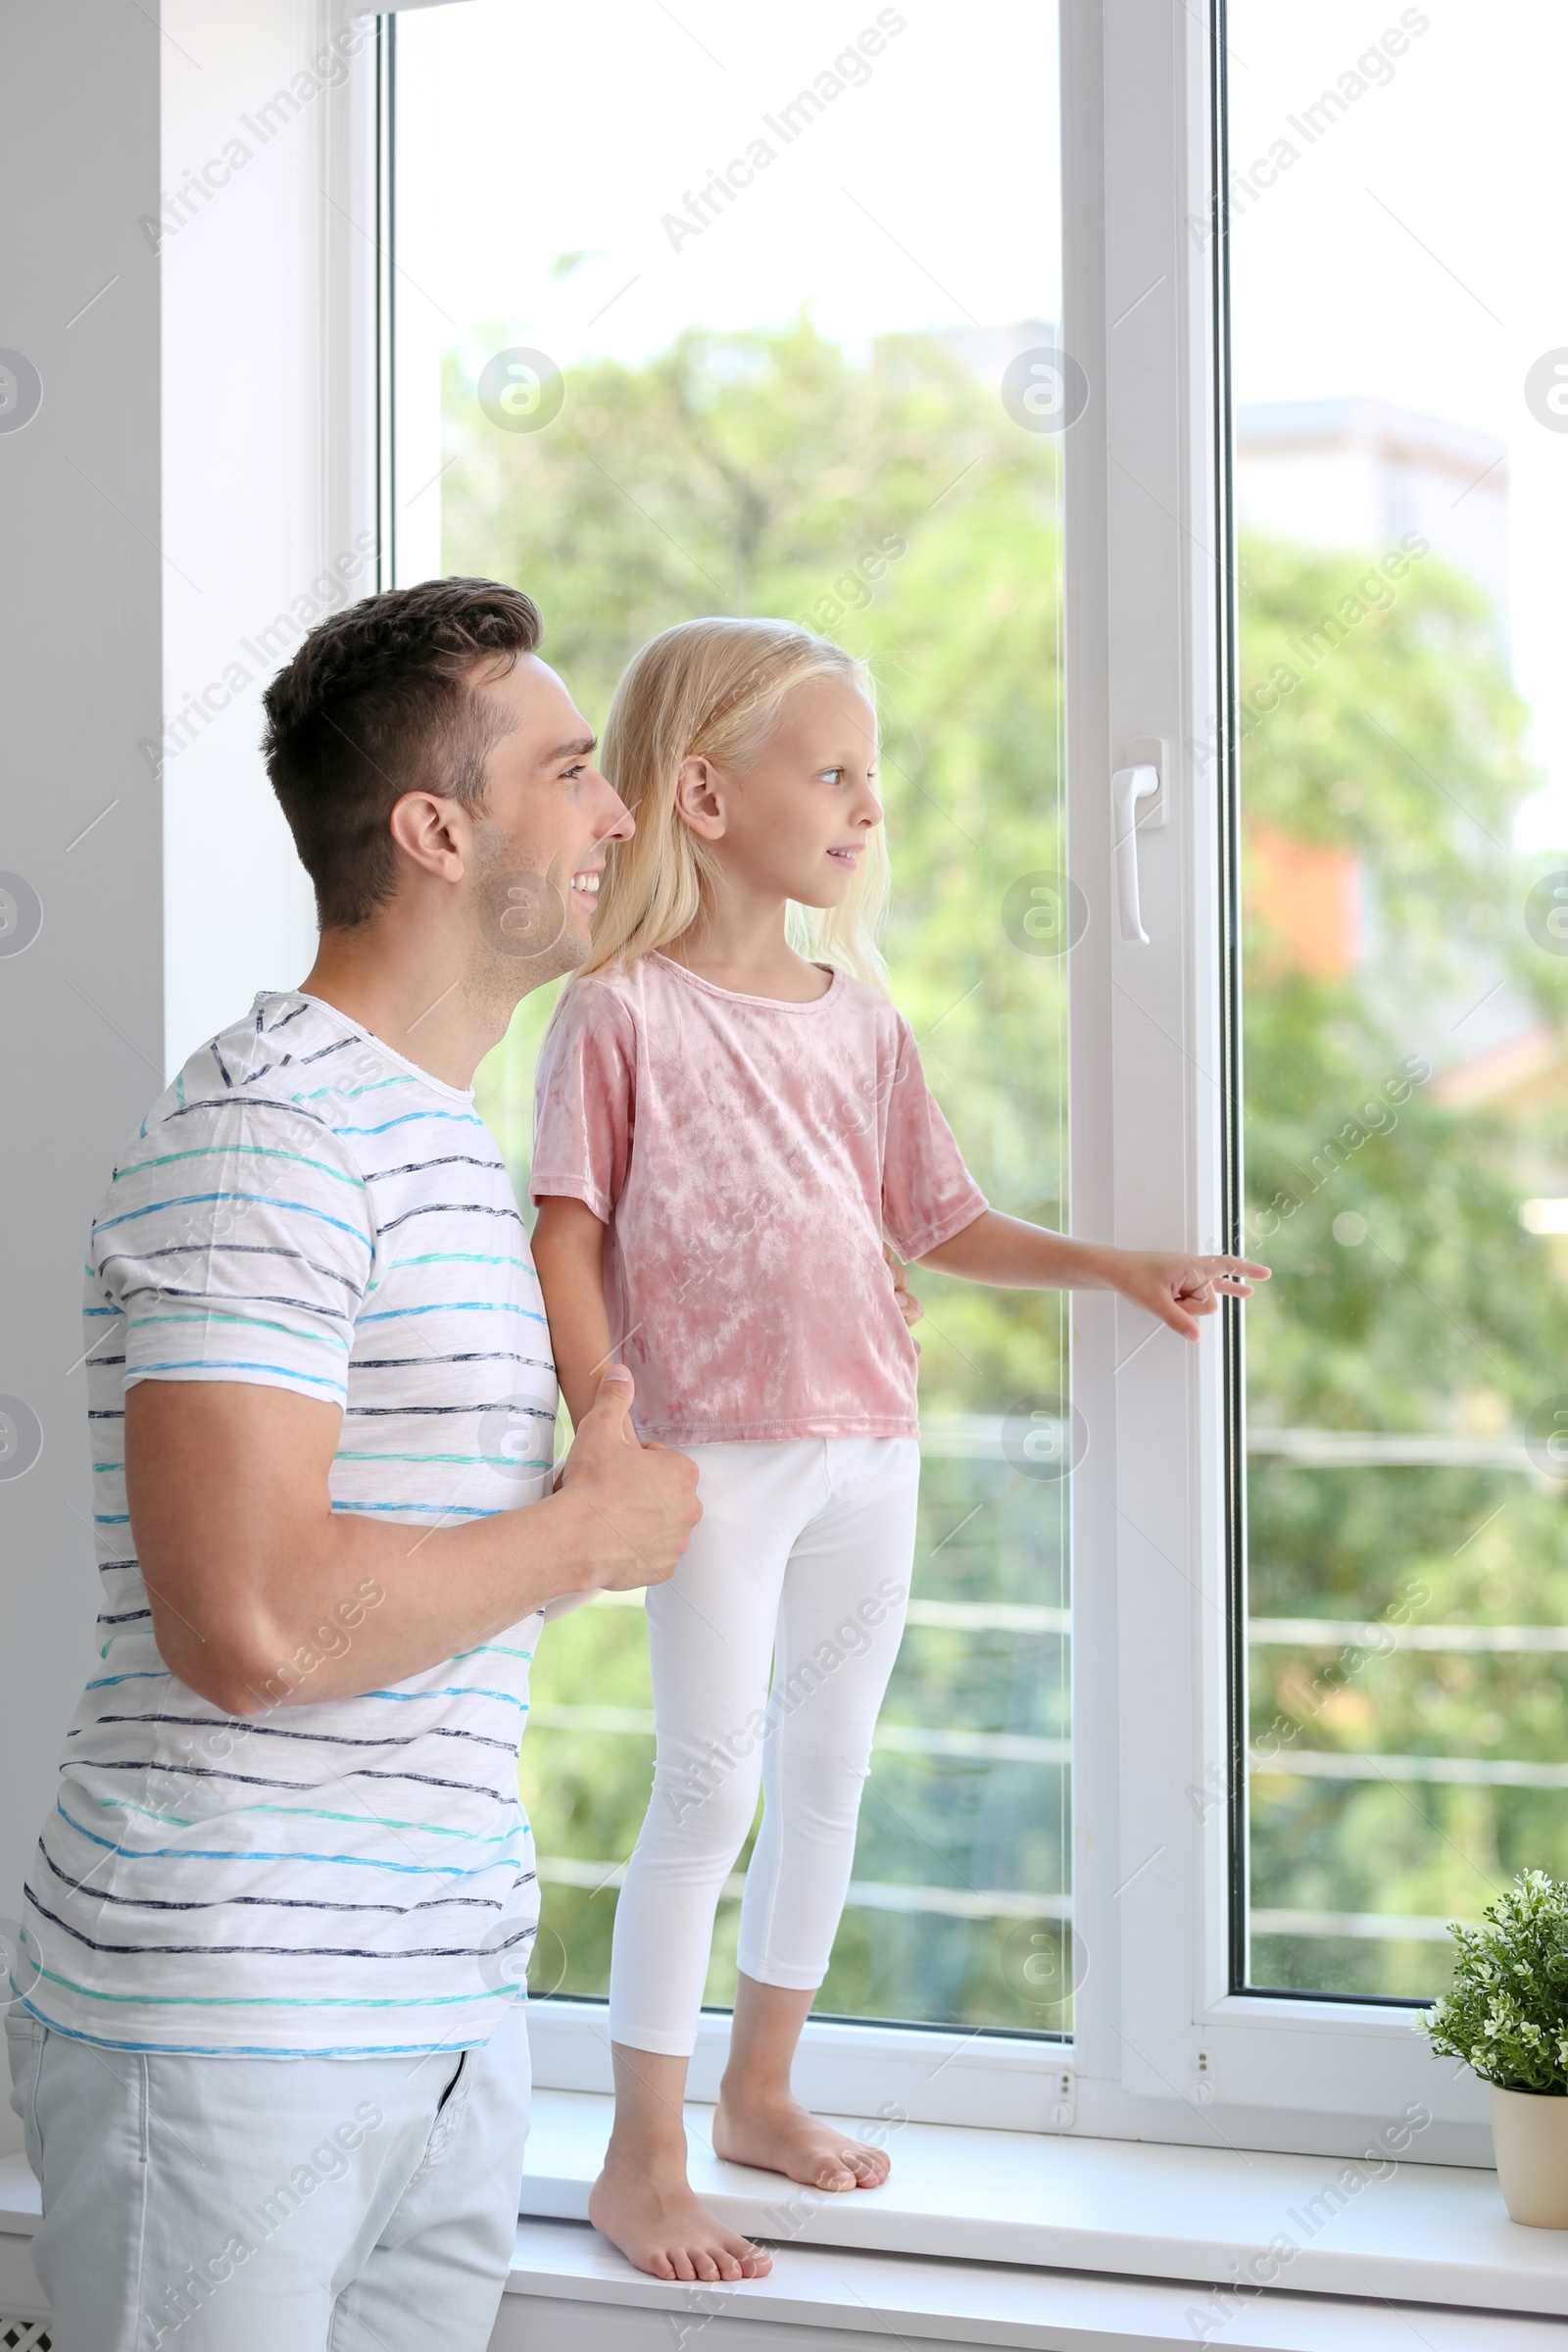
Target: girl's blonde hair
(710, 689)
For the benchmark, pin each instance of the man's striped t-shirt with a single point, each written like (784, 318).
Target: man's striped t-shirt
(305, 1209)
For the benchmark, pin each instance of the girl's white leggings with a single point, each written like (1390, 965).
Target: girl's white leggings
(770, 1645)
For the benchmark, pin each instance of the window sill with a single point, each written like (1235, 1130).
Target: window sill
(1428, 2234)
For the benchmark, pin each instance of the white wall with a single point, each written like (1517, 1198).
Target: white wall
(80, 648)
(183, 484)
(264, 489)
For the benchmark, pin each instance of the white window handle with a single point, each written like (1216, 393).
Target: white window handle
(1129, 786)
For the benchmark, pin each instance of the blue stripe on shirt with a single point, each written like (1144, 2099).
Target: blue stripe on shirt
(460, 1118)
(231, 1364)
(195, 1854)
(455, 1306)
(304, 1208)
(299, 1159)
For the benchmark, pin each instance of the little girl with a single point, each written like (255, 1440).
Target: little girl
(726, 1130)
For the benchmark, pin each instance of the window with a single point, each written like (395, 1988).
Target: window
(953, 371)
(691, 317)
(1401, 489)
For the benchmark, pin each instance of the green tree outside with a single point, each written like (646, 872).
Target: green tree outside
(1405, 746)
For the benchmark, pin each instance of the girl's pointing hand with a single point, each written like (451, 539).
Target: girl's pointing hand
(1178, 1289)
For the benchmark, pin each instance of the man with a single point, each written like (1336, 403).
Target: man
(268, 2046)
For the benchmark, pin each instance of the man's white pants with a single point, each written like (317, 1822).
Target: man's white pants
(272, 2204)
(770, 1647)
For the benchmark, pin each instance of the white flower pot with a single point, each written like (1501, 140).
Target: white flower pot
(1530, 2138)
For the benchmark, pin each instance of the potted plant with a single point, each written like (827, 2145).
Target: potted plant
(1506, 2016)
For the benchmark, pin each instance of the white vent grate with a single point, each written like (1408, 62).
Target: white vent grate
(24, 2335)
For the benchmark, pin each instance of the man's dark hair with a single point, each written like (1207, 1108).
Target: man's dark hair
(379, 700)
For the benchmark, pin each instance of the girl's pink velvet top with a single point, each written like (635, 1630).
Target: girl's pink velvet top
(746, 1157)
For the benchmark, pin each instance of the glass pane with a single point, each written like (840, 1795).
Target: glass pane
(1402, 493)
(693, 318)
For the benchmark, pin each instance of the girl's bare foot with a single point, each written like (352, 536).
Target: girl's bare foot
(647, 2208)
(775, 2133)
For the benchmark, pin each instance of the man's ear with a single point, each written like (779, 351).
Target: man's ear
(427, 831)
(698, 797)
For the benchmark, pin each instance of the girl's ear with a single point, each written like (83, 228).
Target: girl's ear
(698, 797)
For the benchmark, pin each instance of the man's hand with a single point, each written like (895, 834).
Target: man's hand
(263, 1595)
(1179, 1289)
(639, 1502)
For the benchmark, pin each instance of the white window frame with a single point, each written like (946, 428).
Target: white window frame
(1163, 2048)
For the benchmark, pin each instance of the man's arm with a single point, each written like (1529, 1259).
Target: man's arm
(262, 1594)
(1016, 1256)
